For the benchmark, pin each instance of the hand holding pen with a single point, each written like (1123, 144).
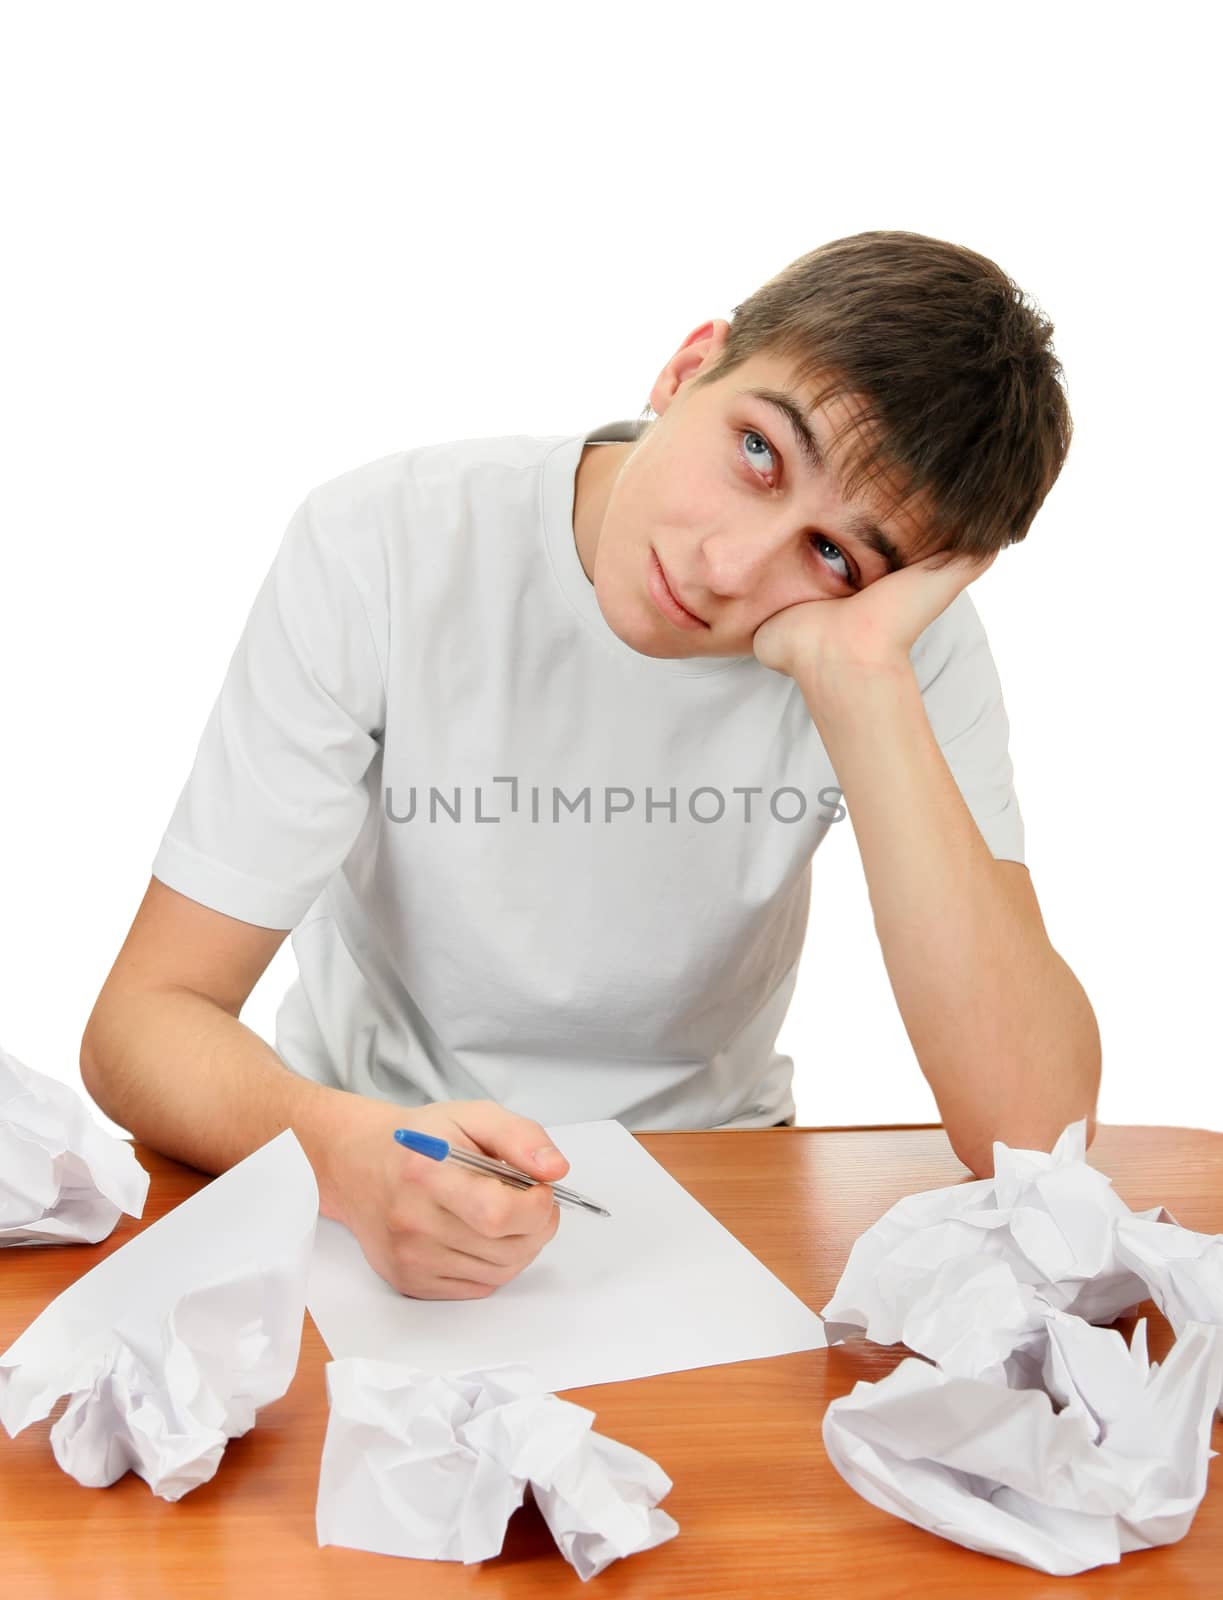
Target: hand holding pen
(439, 1150)
(431, 1229)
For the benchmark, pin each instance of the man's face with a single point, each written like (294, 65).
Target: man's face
(721, 497)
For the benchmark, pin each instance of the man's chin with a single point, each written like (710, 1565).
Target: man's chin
(650, 636)
(658, 653)
(643, 630)
(666, 650)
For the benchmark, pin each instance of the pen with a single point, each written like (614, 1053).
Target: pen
(425, 1144)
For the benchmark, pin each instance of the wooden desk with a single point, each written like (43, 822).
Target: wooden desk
(761, 1511)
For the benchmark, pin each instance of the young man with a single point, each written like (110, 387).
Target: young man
(532, 742)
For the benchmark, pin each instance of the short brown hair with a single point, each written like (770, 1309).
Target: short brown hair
(957, 395)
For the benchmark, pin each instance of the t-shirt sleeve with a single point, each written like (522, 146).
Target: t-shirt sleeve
(277, 794)
(962, 695)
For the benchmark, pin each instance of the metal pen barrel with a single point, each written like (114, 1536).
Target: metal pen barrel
(521, 1180)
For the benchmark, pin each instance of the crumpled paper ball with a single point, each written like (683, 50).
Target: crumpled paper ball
(1121, 1465)
(1029, 1433)
(434, 1466)
(63, 1179)
(169, 1346)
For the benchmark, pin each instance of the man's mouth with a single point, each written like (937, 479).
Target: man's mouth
(666, 600)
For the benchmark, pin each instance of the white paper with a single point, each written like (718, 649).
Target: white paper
(1182, 1270)
(660, 1286)
(169, 1346)
(1034, 1435)
(999, 1470)
(63, 1178)
(418, 1464)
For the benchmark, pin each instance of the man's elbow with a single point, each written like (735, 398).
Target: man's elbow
(95, 1051)
(976, 1148)
(92, 1079)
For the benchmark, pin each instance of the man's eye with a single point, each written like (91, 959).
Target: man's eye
(828, 552)
(822, 545)
(754, 455)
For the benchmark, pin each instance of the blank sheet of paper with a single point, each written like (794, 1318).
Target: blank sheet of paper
(659, 1286)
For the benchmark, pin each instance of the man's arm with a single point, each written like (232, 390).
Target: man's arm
(1000, 1025)
(165, 1054)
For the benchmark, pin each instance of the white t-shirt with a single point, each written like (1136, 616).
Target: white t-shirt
(523, 861)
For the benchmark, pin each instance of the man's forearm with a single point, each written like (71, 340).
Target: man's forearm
(1000, 1025)
(185, 1077)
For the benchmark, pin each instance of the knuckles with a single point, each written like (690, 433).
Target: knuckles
(414, 1267)
(433, 1289)
(403, 1223)
(494, 1217)
(513, 1212)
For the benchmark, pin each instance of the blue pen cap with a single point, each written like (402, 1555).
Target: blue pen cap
(423, 1143)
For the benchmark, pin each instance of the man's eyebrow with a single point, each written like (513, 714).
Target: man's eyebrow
(861, 528)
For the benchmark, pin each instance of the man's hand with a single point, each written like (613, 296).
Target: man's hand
(878, 626)
(432, 1229)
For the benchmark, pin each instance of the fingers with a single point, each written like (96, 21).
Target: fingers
(510, 1252)
(444, 1225)
(435, 1264)
(506, 1137)
(958, 564)
(454, 1289)
(490, 1209)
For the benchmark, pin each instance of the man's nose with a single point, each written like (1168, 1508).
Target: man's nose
(737, 560)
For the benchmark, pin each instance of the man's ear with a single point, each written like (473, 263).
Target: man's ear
(701, 349)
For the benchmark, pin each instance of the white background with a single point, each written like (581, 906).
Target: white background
(251, 246)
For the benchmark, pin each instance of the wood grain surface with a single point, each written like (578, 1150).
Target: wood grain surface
(761, 1510)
